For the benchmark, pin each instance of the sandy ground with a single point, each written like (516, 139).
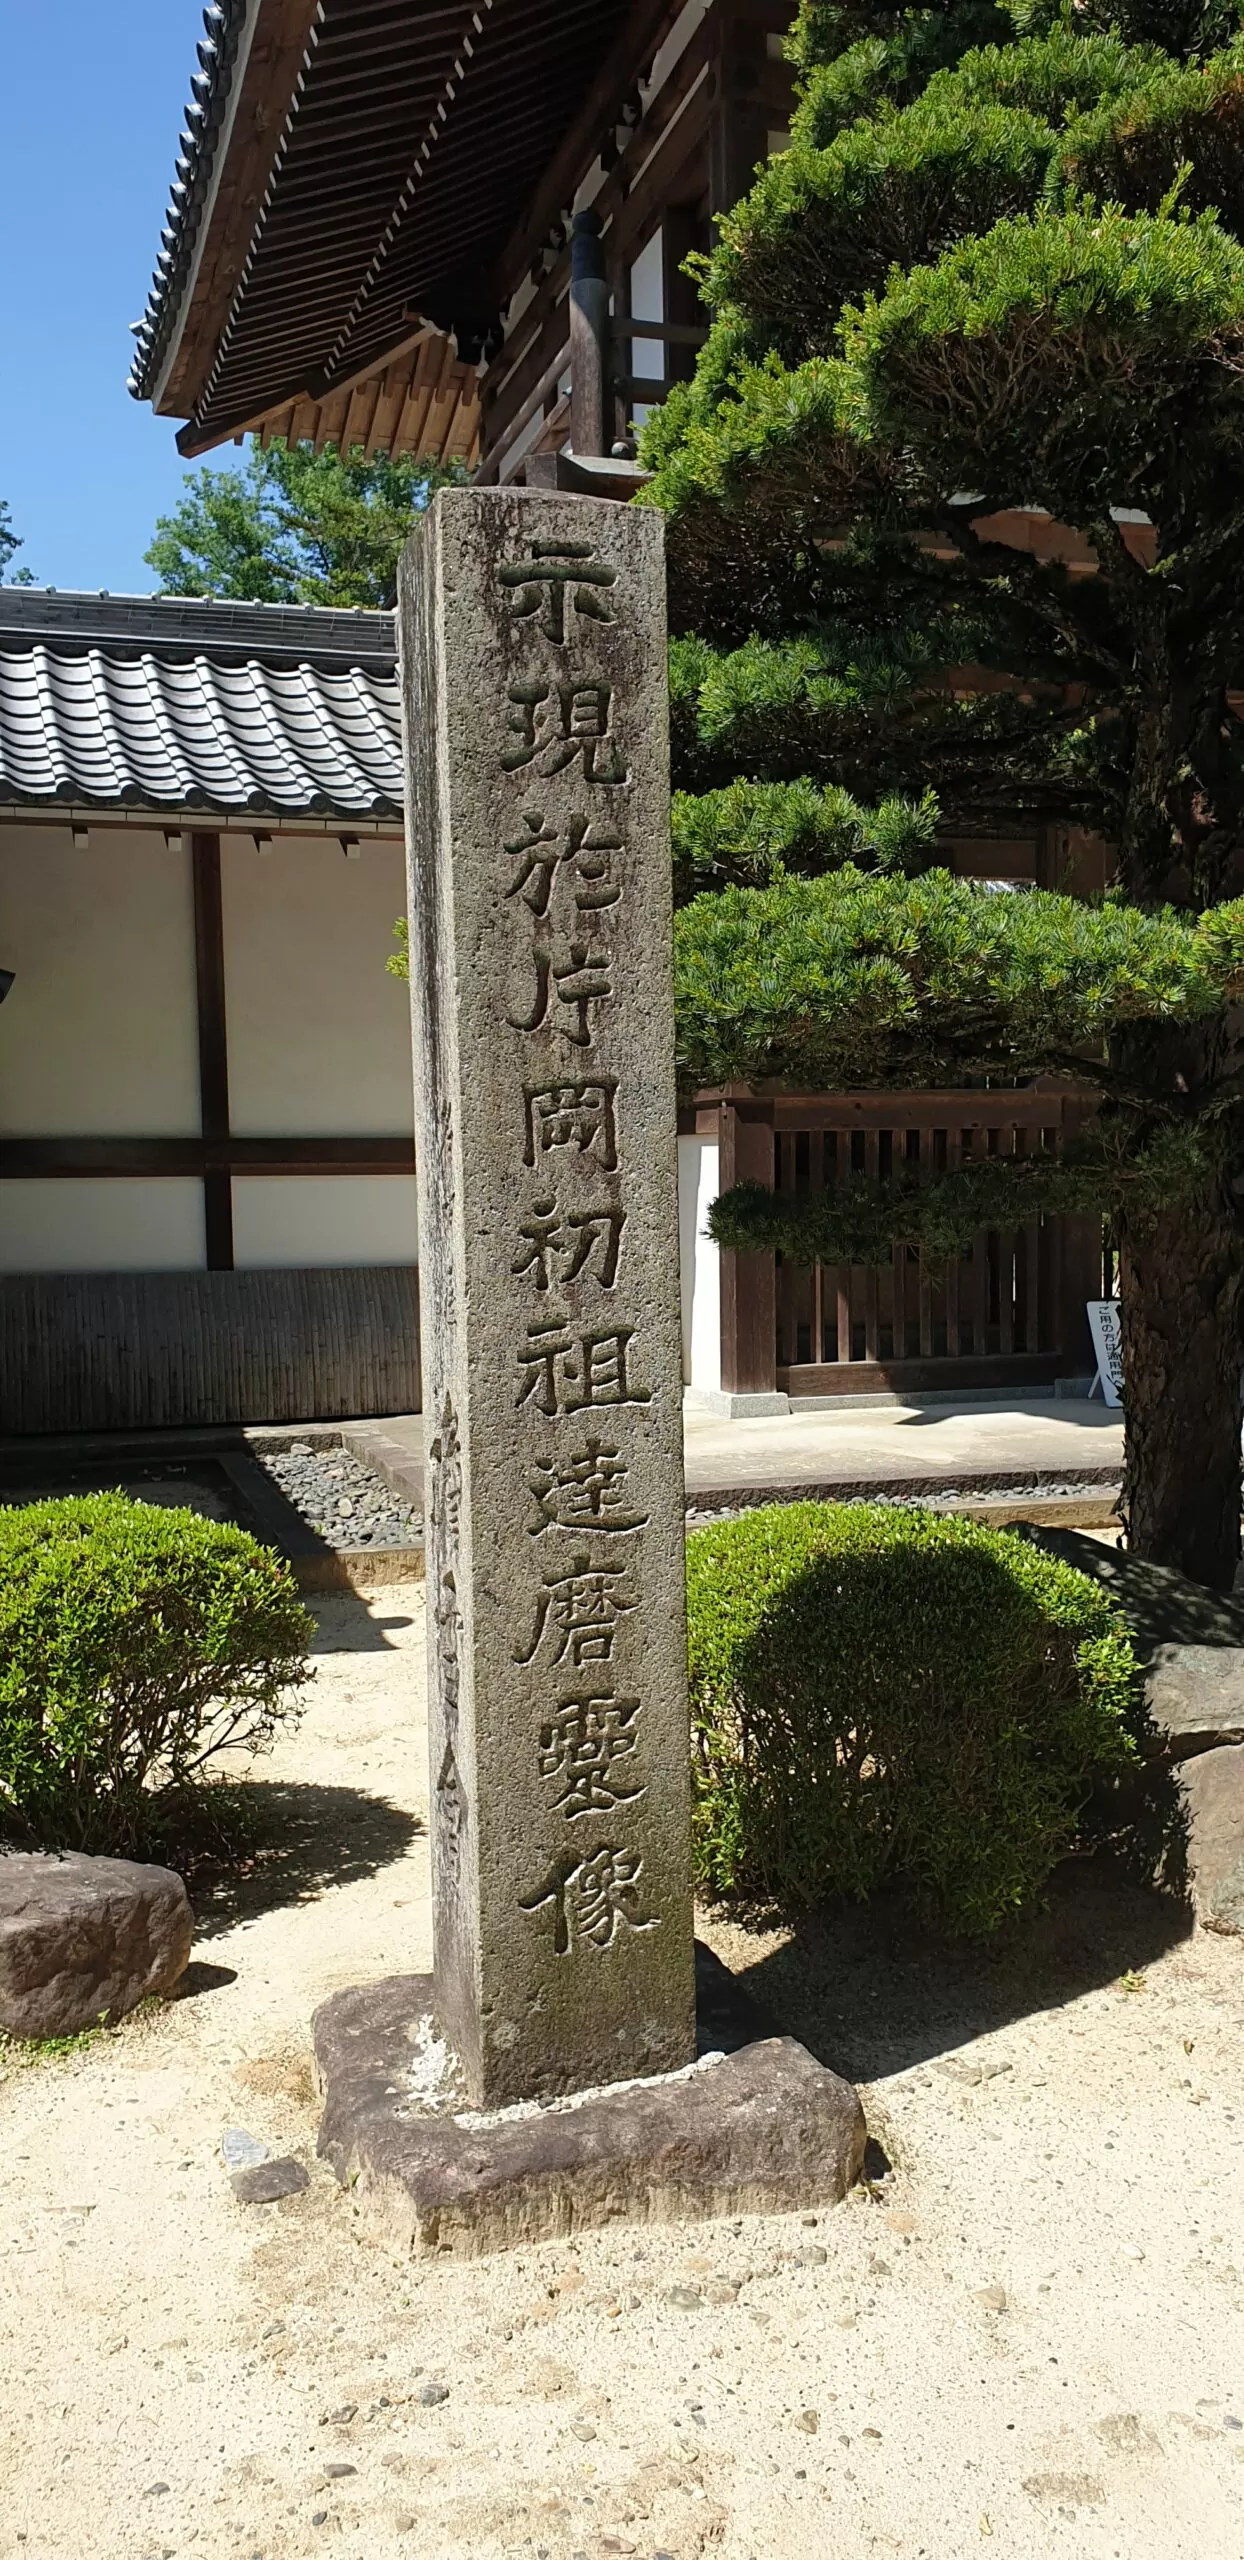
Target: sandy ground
(1028, 2334)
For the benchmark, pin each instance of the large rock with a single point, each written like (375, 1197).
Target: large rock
(1213, 1786)
(1195, 1696)
(1167, 1612)
(1184, 1808)
(85, 1938)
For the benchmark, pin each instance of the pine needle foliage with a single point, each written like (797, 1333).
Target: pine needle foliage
(996, 280)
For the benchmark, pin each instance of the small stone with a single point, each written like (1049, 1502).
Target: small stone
(992, 2297)
(157, 2489)
(242, 2150)
(341, 2470)
(814, 2257)
(268, 2181)
(809, 2421)
(320, 2516)
(685, 2297)
(1234, 2425)
(275, 2329)
(873, 2432)
(721, 2292)
(431, 2394)
(341, 2417)
(1130, 2250)
(583, 2429)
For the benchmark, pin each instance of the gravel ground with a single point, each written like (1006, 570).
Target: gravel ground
(345, 1501)
(1027, 2336)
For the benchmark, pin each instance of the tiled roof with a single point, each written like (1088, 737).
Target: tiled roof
(172, 703)
(223, 24)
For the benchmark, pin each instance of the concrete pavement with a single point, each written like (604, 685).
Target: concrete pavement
(903, 1448)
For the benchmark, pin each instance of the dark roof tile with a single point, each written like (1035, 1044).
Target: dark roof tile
(123, 701)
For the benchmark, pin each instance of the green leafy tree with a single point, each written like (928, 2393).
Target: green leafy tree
(295, 527)
(1000, 267)
(9, 543)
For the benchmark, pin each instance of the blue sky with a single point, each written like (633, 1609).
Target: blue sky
(92, 107)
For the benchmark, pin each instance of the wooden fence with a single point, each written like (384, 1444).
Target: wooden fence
(139, 1350)
(1009, 1312)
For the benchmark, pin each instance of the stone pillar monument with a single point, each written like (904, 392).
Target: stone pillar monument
(534, 682)
(534, 699)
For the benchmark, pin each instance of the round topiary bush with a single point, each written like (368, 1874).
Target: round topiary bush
(136, 1644)
(893, 1696)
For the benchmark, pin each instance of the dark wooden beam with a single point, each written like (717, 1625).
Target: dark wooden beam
(601, 112)
(589, 335)
(738, 132)
(747, 1280)
(209, 971)
(119, 1159)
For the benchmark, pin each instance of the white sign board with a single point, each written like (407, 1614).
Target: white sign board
(1103, 1316)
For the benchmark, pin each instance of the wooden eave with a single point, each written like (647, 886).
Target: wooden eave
(380, 164)
(277, 52)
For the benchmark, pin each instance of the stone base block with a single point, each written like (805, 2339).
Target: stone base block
(761, 2129)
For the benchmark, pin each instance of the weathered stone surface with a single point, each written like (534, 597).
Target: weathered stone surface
(533, 650)
(1213, 1785)
(266, 2181)
(85, 1938)
(762, 2129)
(1195, 1696)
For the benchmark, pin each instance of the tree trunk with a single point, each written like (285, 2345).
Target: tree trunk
(1180, 1274)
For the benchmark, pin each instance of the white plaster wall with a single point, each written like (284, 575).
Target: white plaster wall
(648, 303)
(319, 1034)
(98, 1035)
(294, 1222)
(699, 1182)
(144, 1224)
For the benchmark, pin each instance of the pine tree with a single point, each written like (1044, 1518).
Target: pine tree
(1000, 267)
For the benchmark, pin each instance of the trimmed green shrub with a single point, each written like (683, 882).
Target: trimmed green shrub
(136, 1645)
(894, 1696)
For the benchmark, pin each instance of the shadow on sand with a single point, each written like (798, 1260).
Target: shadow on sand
(871, 1994)
(291, 1842)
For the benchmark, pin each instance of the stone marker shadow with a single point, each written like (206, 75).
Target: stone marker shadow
(301, 1840)
(872, 1994)
(345, 1624)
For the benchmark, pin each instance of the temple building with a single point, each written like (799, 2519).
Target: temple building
(455, 233)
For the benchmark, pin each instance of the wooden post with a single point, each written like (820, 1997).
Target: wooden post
(748, 1280)
(209, 969)
(1079, 1272)
(739, 130)
(682, 231)
(589, 334)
